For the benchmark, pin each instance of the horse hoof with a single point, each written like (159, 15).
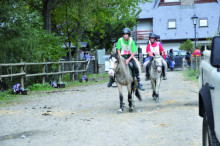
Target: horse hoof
(131, 109)
(157, 100)
(120, 111)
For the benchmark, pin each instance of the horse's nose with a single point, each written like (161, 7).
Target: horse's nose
(159, 70)
(110, 73)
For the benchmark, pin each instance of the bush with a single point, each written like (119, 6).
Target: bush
(40, 87)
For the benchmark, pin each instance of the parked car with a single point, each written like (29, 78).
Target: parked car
(107, 62)
(209, 94)
(178, 56)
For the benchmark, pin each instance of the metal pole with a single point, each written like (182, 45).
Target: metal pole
(195, 34)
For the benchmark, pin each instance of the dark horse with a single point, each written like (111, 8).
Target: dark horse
(123, 76)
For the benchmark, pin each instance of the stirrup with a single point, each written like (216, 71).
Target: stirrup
(140, 87)
(165, 78)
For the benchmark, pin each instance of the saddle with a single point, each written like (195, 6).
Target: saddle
(131, 69)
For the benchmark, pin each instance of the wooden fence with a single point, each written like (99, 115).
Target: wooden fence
(23, 74)
(195, 63)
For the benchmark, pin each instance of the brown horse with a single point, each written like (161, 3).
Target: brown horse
(123, 76)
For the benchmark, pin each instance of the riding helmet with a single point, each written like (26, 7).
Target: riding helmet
(157, 37)
(126, 31)
(152, 35)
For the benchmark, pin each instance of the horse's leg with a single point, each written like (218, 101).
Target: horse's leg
(131, 108)
(158, 80)
(120, 97)
(138, 95)
(153, 82)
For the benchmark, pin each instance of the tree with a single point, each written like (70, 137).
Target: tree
(114, 16)
(187, 45)
(22, 35)
(45, 7)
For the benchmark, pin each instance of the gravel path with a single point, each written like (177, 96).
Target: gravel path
(88, 116)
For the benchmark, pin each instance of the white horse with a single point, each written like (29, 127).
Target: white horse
(123, 77)
(156, 75)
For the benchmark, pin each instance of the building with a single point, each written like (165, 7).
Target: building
(171, 19)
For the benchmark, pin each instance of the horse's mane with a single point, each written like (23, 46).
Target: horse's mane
(114, 56)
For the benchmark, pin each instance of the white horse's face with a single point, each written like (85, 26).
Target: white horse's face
(158, 64)
(113, 66)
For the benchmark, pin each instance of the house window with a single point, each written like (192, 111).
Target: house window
(171, 24)
(203, 22)
(168, 1)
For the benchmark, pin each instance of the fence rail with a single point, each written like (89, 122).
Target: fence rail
(23, 74)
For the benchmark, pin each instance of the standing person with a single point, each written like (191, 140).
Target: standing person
(196, 52)
(126, 48)
(154, 48)
(188, 59)
(171, 59)
(87, 56)
(81, 56)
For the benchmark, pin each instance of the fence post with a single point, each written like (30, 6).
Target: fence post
(43, 70)
(195, 63)
(191, 60)
(199, 60)
(60, 75)
(73, 70)
(22, 77)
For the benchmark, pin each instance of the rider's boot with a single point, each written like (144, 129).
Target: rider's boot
(139, 84)
(147, 77)
(111, 81)
(164, 74)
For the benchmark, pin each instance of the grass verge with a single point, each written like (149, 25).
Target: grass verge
(191, 75)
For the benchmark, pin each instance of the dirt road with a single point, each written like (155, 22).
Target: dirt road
(88, 116)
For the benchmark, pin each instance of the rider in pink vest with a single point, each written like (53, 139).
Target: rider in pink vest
(154, 48)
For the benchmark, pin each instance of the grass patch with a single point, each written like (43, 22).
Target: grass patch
(191, 75)
(40, 87)
(8, 96)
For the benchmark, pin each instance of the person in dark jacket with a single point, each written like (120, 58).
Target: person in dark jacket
(188, 59)
(171, 59)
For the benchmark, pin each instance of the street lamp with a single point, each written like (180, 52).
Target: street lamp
(194, 18)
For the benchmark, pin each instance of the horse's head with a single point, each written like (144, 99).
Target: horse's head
(113, 64)
(157, 63)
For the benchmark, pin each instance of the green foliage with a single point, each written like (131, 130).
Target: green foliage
(40, 87)
(7, 97)
(191, 74)
(111, 18)
(187, 45)
(22, 35)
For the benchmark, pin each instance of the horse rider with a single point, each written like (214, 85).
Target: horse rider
(126, 48)
(154, 47)
(164, 54)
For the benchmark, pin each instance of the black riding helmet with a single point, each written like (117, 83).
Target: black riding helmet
(126, 31)
(157, 37)
(152, 35)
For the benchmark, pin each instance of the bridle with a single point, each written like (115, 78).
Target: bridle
(156, 66)
(115, 69)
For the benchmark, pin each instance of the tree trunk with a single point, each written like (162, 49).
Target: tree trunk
(70, 58)
(77, 57)
(46, 15)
